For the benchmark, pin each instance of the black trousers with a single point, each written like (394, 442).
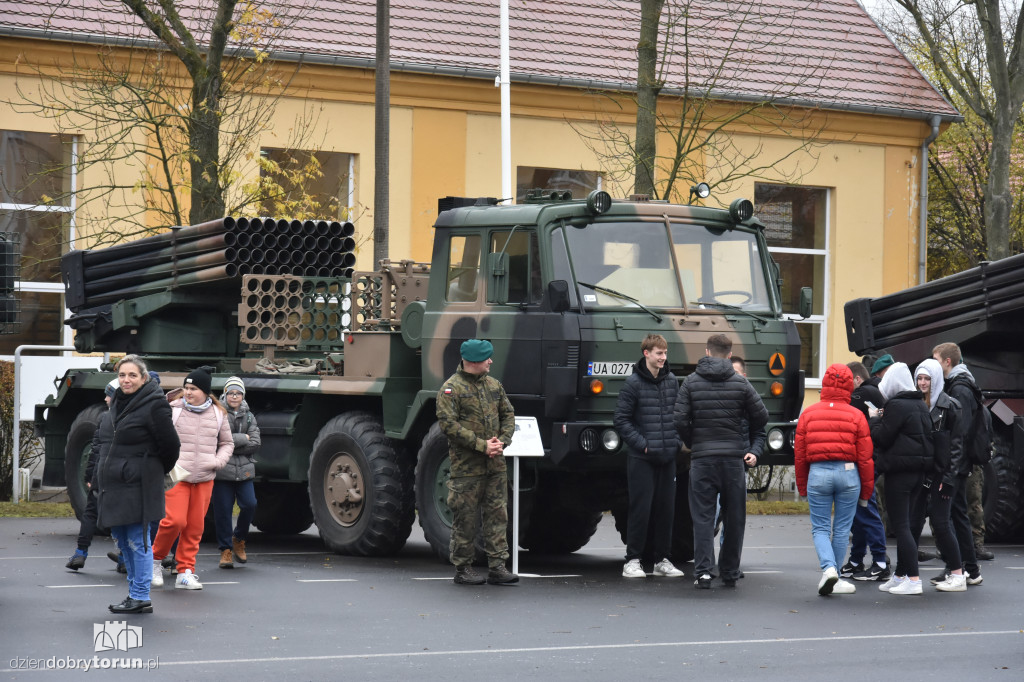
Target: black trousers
(962, 526)
(930, 504)
(709, 478)
(901, 491)
(88, 524)
(652, 503)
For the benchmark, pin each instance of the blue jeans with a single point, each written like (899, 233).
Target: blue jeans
(137, 553)
(868, 533)
(832, 484)
(224, 494)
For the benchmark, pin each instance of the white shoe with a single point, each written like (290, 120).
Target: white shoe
(828, 580)
(908, 586)
(665, 569)
(843, 587)
(158, 574)
(633, 569)
(188, 581)
(892, 582)
(953, 583)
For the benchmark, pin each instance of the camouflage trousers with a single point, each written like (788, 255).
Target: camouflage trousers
(479, 502)
(975, 511)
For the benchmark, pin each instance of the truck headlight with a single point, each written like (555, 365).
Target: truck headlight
(776, 439)
(610, 440)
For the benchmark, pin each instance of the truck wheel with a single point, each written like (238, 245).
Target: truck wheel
(432, 470)
(282, 508)
(360, 487)
(1004, 514)
(77, 453)
(556, 529)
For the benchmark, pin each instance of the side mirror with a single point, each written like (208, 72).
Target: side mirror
(497, 265)
(558, 295)
(806, 302)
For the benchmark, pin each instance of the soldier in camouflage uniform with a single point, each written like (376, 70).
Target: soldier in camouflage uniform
(476, 416)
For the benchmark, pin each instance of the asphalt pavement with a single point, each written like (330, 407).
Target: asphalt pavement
(297, 612)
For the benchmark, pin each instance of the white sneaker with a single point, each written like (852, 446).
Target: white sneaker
(188, 581)
(891, 583)
(843, 587)
(665, 569)
(633, 569)
(908, 586)
(158, 574)
(953, 583)
(828, 580)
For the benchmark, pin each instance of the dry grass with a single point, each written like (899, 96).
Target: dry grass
(32, 510)
(777, 507)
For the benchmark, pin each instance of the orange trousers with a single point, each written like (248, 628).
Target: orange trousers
(185, 505)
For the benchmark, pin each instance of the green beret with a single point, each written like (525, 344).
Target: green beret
(476, 350)
(881, 363)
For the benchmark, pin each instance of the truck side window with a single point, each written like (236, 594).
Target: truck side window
(463, 268)
(524, 280)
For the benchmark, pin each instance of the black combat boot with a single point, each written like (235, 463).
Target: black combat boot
(499, 575)
(130, 605)
(465, 575)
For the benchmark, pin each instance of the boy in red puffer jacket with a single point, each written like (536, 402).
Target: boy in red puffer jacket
(833, 469)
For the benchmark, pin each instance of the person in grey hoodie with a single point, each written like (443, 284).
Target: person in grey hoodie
(722, 417)
(235, 480)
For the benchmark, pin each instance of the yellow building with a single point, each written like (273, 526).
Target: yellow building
(841, 126)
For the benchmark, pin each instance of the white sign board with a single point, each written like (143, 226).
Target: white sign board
(38, 373)
(526, 441)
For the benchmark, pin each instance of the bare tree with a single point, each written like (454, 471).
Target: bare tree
(705, 48)
(976, 51)
(167, 125)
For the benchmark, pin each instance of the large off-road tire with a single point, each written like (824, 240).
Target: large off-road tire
(77, 453)
(556, 528)
(1003, 498)
(282, 508)
(682, 523)
(433, 469)
(360, 487)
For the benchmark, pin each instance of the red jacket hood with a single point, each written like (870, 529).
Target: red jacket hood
(837, 384)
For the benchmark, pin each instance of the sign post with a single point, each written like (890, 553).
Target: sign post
(525, 443)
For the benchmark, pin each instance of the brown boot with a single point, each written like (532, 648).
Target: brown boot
(225, 559)
(239, 550)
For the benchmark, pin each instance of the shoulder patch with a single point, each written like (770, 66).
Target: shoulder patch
(447, 391)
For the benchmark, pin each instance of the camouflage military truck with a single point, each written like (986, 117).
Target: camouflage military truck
(982, 311)
(342, 368)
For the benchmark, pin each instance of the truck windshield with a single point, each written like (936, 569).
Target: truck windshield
(717, 268)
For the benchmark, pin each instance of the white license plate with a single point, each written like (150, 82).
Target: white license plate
(609, 369)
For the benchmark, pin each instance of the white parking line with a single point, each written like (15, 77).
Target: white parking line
(784, 641)
(64, 587)
(326, 580)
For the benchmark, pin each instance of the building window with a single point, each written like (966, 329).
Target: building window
(796, 228)
(579, 182)
(37, 205)
(307, 184)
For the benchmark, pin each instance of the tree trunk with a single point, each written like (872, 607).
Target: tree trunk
(998, 200)
(204, 149)
(647, 88)
(382, 135)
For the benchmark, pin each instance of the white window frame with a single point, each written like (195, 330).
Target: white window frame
(66, 335)
(819, 320)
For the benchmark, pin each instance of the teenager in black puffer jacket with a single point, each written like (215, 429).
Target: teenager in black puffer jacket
(904, 453)
(643, 419)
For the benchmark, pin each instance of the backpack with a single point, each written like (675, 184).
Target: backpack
(978, 439)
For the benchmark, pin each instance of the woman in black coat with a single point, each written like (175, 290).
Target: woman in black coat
(904, 453)
(137, 446)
